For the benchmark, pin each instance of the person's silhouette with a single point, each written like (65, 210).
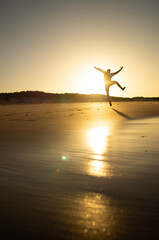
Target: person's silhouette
(108, 82)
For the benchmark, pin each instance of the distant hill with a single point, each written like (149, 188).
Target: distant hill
(42, 97)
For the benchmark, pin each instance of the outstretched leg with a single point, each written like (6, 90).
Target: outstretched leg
(107, 92)
(115, 82)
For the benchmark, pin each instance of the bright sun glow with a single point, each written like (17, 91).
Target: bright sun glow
(90, 81)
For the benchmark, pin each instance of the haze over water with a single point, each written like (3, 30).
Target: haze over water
(78, 176)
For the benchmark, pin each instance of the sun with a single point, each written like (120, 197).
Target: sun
(90, 81)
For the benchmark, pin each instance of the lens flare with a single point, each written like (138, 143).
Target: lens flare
(64, 158)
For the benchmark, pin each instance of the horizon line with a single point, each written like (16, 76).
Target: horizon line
(73, 93)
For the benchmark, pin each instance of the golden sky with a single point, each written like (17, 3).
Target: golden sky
(53, 46)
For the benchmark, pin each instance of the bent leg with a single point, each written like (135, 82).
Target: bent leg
(115, 82)
(107, 92)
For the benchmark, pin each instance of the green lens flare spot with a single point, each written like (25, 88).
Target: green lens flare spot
(64, 158)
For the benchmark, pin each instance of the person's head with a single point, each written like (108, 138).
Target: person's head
(108, 70)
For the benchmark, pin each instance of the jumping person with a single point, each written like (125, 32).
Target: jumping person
(108, 82)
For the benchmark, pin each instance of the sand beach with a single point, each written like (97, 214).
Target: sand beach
(79, 171)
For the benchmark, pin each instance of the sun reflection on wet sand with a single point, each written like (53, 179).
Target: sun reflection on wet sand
(98, 141)
(98, 168)
(98, 217)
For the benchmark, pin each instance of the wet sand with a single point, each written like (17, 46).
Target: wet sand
(79, 171)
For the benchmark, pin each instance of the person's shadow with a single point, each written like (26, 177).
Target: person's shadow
(123, 114)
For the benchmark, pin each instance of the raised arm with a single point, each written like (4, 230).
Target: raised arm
(116, 71)
(99, 69)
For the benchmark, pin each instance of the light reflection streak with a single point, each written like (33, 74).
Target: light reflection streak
(98, 139)
(97, 214)
(99, 168)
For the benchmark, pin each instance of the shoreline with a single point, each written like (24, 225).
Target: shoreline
(100, 110)
(69, 102)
